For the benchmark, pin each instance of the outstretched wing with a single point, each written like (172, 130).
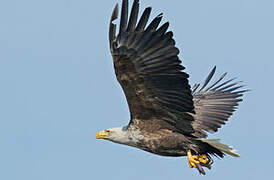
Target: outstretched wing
(149, 70)
(214, 103)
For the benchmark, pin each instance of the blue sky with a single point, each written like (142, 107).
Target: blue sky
(58, 88)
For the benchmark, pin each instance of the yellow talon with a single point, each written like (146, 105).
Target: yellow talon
(203, 156)
(197, 161)
(203, 159)
(192, 159)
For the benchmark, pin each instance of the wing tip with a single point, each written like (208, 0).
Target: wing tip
(208, 78)
(216, 86)
(114, 14)
(112, 26)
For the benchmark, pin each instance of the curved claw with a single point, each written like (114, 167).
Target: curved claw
(192, 160)
(197, 161)
(205, 161)
(200, 169)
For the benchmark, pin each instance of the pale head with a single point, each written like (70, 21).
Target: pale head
(117, 135)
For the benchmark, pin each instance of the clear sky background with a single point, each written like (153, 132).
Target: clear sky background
(58, 88)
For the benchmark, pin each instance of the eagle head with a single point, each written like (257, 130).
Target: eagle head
(119, 135)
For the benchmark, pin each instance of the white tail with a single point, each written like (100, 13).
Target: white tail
(222, 147)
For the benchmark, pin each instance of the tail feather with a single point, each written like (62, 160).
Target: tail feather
(222, 147)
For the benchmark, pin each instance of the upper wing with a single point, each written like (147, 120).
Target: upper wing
(149, 70)
(214, 103)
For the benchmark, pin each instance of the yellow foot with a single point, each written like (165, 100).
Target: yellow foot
(197, 161)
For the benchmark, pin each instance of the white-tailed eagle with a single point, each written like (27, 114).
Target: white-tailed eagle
(168, 117)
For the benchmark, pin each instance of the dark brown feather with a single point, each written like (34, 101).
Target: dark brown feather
(150, 72)
(148, 68)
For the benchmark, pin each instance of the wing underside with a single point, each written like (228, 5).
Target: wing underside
(214, 103)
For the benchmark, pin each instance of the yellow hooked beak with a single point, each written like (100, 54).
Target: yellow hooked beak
(102, 134)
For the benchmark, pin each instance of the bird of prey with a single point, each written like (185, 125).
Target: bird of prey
(168, 117)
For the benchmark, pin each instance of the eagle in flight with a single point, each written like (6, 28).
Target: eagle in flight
(167, 116)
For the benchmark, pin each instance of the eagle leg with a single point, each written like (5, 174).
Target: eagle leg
(197, 161)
